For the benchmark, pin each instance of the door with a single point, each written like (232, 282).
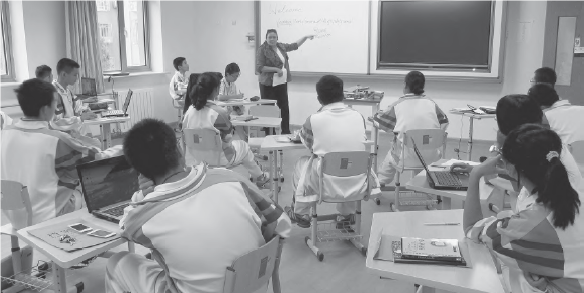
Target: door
(564, 24)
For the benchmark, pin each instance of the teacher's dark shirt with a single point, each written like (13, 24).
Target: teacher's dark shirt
(266, 56)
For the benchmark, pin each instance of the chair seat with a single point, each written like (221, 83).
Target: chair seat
(8, 230)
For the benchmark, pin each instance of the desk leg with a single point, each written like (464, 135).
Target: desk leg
(276, 177)
(272, 183)
(446, 203)
(470, 138)
(106, 135)
(375, 134)
(59, 282)
(131, 246)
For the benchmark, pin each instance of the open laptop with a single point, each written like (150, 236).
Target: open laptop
(108, 186)
(442, 179)
(88, 87)
(119, 113)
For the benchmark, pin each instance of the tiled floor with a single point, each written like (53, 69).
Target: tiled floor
(343, 269)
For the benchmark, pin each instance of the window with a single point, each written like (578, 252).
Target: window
(6, 64)
(124, 35)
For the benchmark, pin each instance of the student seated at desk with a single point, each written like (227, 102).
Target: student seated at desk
(542, 245)
(412, 111)
(228, 91)
(205, 114)
(334, 128)
(544, 76)
(44, 72)
(70, 112)
(196, 221)
(564, 118)
(179, 81)
(512, 112)
(42, 159)
(5, 120)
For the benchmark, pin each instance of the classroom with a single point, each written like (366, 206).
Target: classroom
(415, 146)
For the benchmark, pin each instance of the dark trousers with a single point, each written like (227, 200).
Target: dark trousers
(280, 94)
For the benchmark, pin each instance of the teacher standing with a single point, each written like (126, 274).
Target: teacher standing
(272, 58)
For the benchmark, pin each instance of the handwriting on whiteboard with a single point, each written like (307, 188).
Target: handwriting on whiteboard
(319, 21)
(284, 9)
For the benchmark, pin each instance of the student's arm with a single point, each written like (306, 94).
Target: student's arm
(306, 134)
(223, 96)
(223, 122)
(442, 118)
(276, 221)
(386, 119)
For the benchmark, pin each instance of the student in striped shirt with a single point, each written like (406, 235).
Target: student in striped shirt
(43, 159)
(542, 244)
(204, 113)
(196, 221)
(412, 111)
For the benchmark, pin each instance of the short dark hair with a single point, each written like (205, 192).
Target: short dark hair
(544, 95)
(329, 89)
(150, 147)
(66, 64)
(178, 61)
(42, 71)
(33, 94)
(545, 75)
(415, 82)
(231, 68)
(527, 147)
(271, 31)
(516, 110)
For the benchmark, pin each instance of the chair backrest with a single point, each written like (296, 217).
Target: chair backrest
(15, 197)
(265, 111)
(344, 164)
(426, 139)
(253, 270)
(577, 150)
(205, 145)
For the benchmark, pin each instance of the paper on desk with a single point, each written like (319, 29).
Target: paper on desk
(452, 161)
(278, 80)
(52, 233)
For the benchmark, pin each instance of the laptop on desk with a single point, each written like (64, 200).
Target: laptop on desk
(119, 113)
(442, 179)
(108, 186)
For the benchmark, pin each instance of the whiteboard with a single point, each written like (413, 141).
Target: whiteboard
(341, 29)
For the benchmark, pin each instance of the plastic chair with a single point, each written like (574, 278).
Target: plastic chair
(340, 164)
(577, 150)
(206, 145)
(252, 271)
(426, 139)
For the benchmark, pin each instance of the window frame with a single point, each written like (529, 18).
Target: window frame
(7, 35)
(122, 36)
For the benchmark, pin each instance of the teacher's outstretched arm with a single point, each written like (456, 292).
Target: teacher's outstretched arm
(303, 39)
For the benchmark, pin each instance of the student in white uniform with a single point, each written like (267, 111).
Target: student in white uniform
(44, 72)
(412, 111)
(228, 91)
(545, 76)
(334, 128)
(42, 159)
(5, 120)
(70, 112)
(196, 222)
(205, 114)
(179, 81)
(565, 119)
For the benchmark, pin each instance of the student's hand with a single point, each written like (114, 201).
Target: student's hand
(240, 96)
(536, 281)
(461, 167)
(280, 72)
(488, 167)
(88, 116)
(146, 185)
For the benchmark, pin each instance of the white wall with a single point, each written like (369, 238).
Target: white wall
(218, 42)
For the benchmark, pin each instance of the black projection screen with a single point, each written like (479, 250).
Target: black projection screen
(444, 35)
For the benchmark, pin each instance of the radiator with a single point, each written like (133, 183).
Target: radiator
(141, 106)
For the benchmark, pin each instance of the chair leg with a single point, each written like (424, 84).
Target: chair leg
(395, 206)
(16, 255)
(311, 241)
(357, 228)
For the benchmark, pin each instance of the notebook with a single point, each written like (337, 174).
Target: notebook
(422, 250)
(108, 186)
(120, 113)
(442, 179)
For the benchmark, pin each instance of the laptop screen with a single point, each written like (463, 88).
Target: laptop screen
(420, 156)
(107, 182)
(127, 101)
(88, 86)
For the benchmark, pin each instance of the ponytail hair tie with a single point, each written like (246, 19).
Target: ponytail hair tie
(551, 155)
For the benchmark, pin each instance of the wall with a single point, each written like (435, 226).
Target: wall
(220, 42)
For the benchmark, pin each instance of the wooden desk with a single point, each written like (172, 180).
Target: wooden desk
(105, 127)
(245, 102)
(61, 259)
(472, 117)
(481, 278)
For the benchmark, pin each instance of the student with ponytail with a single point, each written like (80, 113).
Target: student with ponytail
(205, 114)
(542, 244)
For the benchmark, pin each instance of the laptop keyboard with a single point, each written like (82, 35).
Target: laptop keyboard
(116, 211)
(113, 113)
(447, 179)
